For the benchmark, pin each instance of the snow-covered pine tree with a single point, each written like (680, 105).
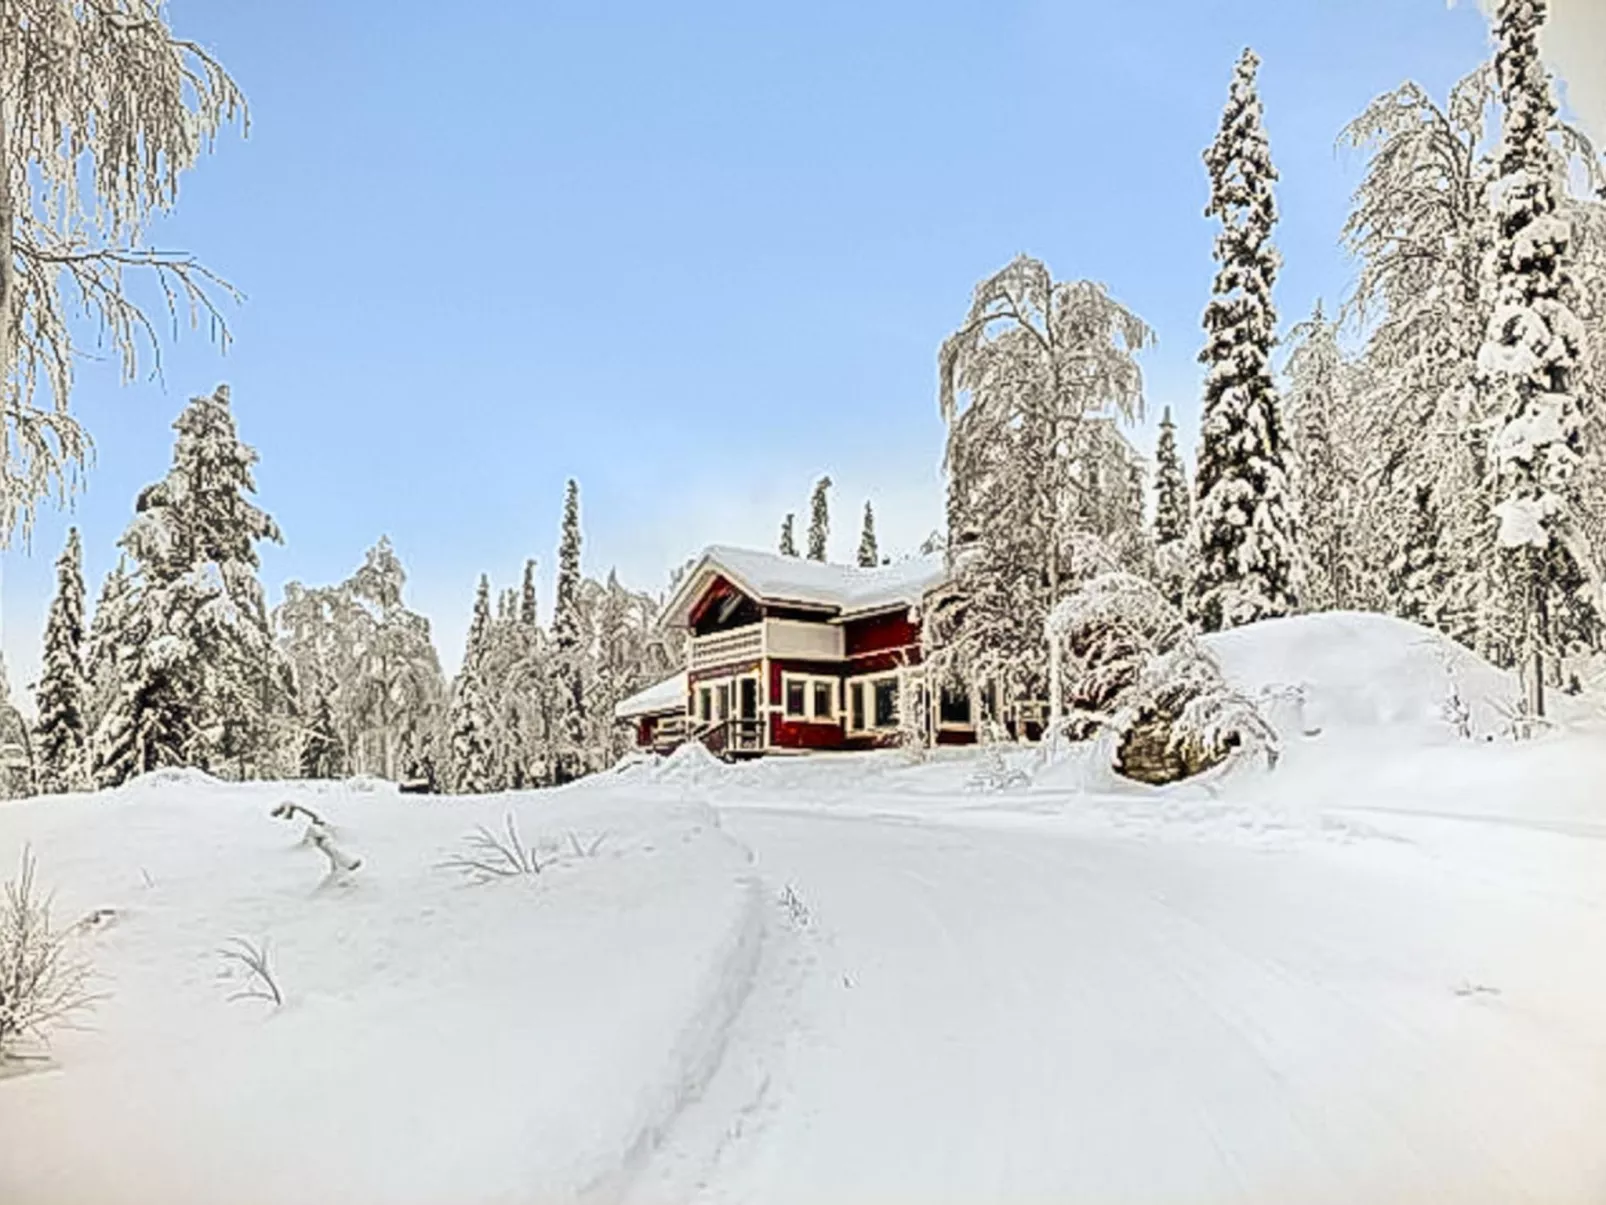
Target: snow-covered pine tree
(1533, 345)
(1323, 477)
(203, 684)
(819, 519)
(1245, 551)
(471, 719)
(1032, 386)
(869, 554)
(788, 540)
(61, 735)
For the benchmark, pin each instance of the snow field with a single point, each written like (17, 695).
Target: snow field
(522, 1040)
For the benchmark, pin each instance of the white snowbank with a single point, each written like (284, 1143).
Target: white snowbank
(522, 1040)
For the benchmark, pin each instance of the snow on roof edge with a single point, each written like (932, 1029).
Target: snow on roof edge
(668, 695)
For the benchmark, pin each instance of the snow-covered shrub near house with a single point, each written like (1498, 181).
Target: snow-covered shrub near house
(1140, 674)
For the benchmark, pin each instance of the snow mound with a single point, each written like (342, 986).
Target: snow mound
(691, 765)
(1345, 670)
(441, 1042)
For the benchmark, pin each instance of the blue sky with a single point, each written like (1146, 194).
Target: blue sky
(693, 255)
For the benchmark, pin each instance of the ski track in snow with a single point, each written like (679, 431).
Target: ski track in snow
(1007, 1015)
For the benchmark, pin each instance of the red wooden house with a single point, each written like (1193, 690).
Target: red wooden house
(790, 654)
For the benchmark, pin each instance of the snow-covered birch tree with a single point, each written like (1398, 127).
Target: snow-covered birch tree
(1244, 559)
(1320, 435)
(102, 109)
(1031, 386)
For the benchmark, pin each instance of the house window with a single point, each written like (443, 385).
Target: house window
(953, 707)
(722, 699)
(705, 704)
(824, 699)
(856, 708)
(810, 697)
(886, 703)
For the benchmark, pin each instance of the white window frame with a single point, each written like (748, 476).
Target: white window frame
(809, 714)
(869, 683)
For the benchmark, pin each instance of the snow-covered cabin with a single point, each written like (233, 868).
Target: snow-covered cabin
(786, 654)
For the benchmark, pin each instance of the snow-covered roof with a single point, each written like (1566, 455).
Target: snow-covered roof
(665, 696)
(844, 590)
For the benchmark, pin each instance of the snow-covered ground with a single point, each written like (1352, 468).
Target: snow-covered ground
(1370, 974)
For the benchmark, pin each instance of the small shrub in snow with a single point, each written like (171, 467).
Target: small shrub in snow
(42, 983)
(488, 855)
(242, 957)
(796, 909)
(994, 773)
(586, 849)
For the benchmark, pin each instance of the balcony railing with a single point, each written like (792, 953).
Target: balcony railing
(727, 648)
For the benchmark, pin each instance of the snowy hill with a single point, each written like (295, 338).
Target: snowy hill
(1361, 976)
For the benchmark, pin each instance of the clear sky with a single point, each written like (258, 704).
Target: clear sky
(693, 255)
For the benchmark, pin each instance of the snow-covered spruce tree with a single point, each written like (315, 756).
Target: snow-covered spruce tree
(471, 719)
(819, 519)
(1414, 575)
(18, 776)
(788, 540)
(1244, 558)
(1323, 476)
(1032, 386)
(321, 753)
(203, 681)
(1171, 514)
(527, 615)
(1532, 346)
(105, 109)
(570, 652)
(869, 554)
(62, 697)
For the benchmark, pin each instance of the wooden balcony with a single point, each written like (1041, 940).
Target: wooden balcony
(736, 647)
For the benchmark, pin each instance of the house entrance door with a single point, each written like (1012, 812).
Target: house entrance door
(749, 728)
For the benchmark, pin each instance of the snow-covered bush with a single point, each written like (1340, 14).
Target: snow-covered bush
(488, 855)
(1138, 669)
(42, 982)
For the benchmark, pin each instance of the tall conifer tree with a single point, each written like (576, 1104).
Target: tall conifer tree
(1245, 546)
(869, 554)
(60, 740)
(1531, 351)
(819, 519)
(788, 540)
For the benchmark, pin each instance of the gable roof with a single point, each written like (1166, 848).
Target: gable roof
(841, 591)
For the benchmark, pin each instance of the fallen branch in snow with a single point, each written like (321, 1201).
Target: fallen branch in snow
(320, 836)
(42, 984)
(489, 856)
(260, 983)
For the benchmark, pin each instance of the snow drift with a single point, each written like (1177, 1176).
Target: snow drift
(521, 1040)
